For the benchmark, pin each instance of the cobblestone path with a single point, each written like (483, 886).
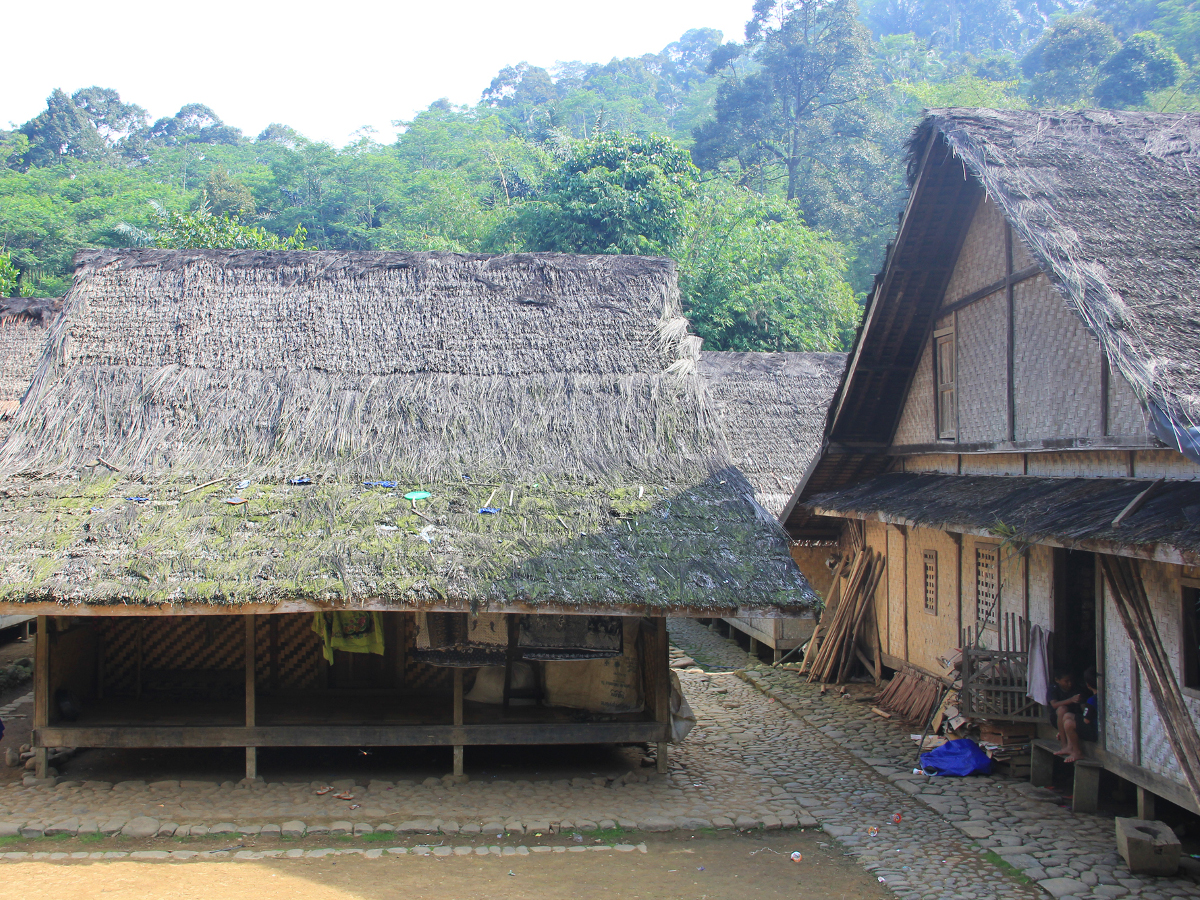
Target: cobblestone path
(861, 766)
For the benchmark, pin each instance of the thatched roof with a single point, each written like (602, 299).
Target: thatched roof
(1068, 512)
(772, 408)
(545, 402)
(23, 325)
(1109, 204)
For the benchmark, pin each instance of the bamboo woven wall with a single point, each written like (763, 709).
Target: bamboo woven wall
(895, 639)
(1080, 464)
(1164, 589)
(1041, 584)
(186, 653)
(1164, 464)
(982, 377)
(931, 636)
(981, 261)
(993, 464)
(1056, 367)
(1125, 413)
(940, 463)
(917, 420)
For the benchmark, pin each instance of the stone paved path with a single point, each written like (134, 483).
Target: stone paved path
(867, 760)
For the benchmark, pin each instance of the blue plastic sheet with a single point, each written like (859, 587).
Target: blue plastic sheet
(959, 757)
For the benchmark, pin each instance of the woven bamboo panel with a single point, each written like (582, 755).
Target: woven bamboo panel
(992, 464)
(297, 651)
(169, 643)
(1125, 413)
(894, 637)
(930, 636)
(1022, 258)
(983, 371)
(1164, 464)
(938, 463)
(21, 342)
(1080, 464)
(917, 421)
(1056, 367)
(981, 261)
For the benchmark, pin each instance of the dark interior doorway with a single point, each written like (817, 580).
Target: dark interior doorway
(1075, 610)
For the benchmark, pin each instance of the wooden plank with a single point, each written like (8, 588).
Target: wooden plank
(41, 696)
(130, 736)
(1138, 502)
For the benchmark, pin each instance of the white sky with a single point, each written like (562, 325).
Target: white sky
(326, 69)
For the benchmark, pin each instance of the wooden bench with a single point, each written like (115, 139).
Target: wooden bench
(1085, 797)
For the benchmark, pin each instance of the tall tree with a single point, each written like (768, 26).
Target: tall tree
(614, 193)
(1144, 64)
(89, 124)
(1064, 65)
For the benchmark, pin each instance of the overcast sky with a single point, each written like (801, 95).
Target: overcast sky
(326, 69)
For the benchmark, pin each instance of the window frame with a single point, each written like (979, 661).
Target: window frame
(930, 561)
(982, 549)
(945, 390)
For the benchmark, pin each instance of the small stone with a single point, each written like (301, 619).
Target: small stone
(721, 822)
(745, 823)
(337, 829)
(292, 829)
(249, 829)
(198, 831)
(1064, 887)
(64, 826)
(443, 851)
(361, 828)
(272, 831)
(656, 823)
(150, 854)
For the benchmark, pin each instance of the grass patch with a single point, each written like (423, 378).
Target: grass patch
(377, 836)
(1007, 868)
(91, 838)
(10, 839)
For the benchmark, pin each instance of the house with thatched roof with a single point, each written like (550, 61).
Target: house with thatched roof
(23, 326)
(1015, 439)
(771, 409)
(250, 493)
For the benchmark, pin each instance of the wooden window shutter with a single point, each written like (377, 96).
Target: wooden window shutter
(987, 585)
(931, 582)
(947, 395)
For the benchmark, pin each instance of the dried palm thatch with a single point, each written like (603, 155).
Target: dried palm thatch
(548, 404)
(771, 408)
(23, 327)
(1107, 202)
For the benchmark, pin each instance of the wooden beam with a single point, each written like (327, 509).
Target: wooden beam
(994, 288)
(1138, 502)
(41, 696)
(138, 736)
(1010, 303)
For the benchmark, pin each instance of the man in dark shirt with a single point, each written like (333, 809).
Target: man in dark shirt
(1066, 713)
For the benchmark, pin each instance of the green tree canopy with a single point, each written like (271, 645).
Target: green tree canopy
(754, 277)
(1064, 65)
(614, 193)
(1142, 65)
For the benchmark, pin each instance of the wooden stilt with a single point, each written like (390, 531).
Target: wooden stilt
(1145, 804)
(663, 757)
(41, 694)
(458, 720)
(251, 752)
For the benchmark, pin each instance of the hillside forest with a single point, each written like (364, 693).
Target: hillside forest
(769, 166)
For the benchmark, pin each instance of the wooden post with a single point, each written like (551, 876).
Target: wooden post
(251, 752)
(458, 720)
(41, 694)
(753, 647)
(659, 651)
(1145, 804)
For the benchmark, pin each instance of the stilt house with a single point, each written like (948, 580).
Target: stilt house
(1017, 428)
(772, 408)
(302, 498)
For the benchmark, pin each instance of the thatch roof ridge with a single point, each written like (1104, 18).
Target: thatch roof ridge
(1107, 202)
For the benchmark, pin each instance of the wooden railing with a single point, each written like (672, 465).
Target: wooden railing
(995, 681)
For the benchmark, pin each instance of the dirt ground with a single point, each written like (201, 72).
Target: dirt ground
(710, 867)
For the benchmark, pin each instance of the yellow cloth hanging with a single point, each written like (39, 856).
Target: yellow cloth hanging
(353, 632)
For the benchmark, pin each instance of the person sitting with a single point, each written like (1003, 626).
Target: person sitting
(1066, 713)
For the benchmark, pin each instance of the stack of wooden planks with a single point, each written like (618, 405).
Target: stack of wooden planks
(835, 641)
(914, 696)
